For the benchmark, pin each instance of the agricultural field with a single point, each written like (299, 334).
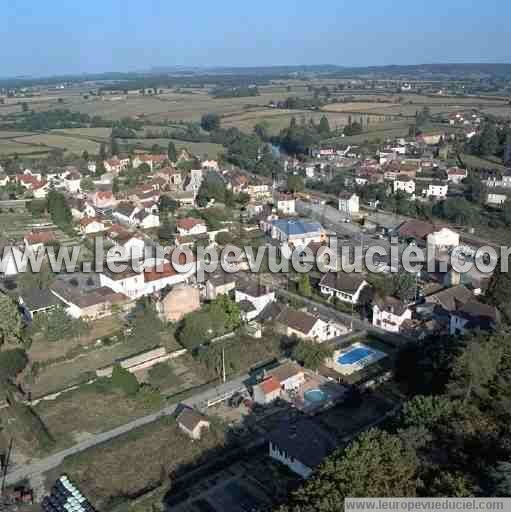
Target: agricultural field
(278, 119)
(197, 148)
(68, 143)
(91, 133)
(13, 147)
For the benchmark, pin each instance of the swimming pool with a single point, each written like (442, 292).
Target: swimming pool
(355, 355)
(315, 395)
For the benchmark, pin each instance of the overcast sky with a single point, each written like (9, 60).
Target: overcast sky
(46, 37)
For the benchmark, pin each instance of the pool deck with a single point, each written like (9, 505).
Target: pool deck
(332, 390)
(349, 369)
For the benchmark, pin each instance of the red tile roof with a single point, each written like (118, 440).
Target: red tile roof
(189, 223)
(270, 385)
(40, 237)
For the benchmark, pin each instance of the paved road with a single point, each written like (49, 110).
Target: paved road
(17, 473)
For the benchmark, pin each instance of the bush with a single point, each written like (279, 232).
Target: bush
(124, 380)
(12, 362)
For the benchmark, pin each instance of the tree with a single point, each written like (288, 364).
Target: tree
(145, 322)
(498, 293)
(87, 185)
(304, 286)
(295, 183)
(114, 146)
(488, 140)
(374, 464)
(475, 368)
(210, 122)
(167, 204)
(172, 152)
(167, 231)
(85, 155)
(24, 107)
(405, 286)
(498, 480)
(10, 321)
(425, 411)
(324, 126)
(58, 325)
(312, 355)
(59, 211)
(12, 362)
(102, 151)
(125, 381)
(40, 280)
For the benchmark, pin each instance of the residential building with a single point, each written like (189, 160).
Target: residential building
(415, 230)
(192, 422)
(290, 376)
(495, 199)
(36, 240)
(35, 301)
(147, 220)
(153, 277)
(191, 226)
(285, 204)
(253, 298)
(297, 232)
(389, 313)
(89, 305)
(456, 175)
(91, 226)
(473, 315)
(436, 190)
(125, 213)
(102, 200)
(342, 286)
(404, 184)
(301, 446)
(348, 203)
(305, 326)
(443, 239)
(266, 391)
(219, 283)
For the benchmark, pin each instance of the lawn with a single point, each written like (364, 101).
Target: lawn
(137, 461)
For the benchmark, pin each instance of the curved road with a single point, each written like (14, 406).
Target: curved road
(41, 466)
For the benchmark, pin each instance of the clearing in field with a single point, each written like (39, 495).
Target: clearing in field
(12, 147)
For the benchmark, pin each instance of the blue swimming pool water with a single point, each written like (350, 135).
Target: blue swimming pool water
(355, 355)
(315, 395)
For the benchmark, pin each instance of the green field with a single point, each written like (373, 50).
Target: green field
(197, 148)
(476, 162)
(68, 143)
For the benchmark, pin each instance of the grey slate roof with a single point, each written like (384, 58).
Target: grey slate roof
(305, 441)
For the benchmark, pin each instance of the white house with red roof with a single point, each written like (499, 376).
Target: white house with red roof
(190, 226)
(102, 200)
(152, 161)
(153, 276)
(456, 175)
(31, 182)
(91, 225)
(36, 240)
